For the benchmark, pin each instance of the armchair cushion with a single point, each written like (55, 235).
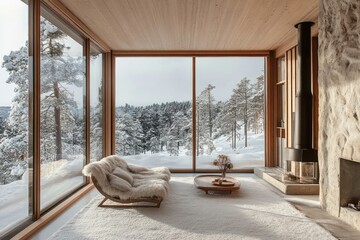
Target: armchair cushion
(119, 183)
(121, 173)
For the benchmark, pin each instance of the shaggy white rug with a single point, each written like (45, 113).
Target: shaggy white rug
(254, 212)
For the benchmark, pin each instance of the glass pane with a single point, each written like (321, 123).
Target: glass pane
(154, 111)
(62, 110)
(230, 111)
(281, 69)
(14, 115)
(281, 105)
(96, 104)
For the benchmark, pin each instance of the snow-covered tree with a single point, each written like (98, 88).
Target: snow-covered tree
(154, 145)
(15, 136)
(176, 133)
(242, 95)
(129, 134)
(14, 141)
(96, 131)
(188, 137)
(257, 105)
(58, 71)
(228, 120)
(205, 118)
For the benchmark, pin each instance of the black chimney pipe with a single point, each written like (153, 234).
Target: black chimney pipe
(302, 150)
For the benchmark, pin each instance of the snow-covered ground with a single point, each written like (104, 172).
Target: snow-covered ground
(57, 179)
(249, 157)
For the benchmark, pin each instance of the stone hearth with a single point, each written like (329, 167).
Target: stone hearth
(339, 100)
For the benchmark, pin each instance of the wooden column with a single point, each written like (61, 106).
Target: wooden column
(194, 114)
(270, 117)
(34, 98)
(113, 103)
(107, 102)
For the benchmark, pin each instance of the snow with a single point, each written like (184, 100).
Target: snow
(58, 178)
(242, 157)
(17, 171)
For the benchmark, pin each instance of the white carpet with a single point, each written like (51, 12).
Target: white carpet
(254, 212)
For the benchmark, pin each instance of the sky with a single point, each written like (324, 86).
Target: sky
(143, 81)
(14, 24)
(13, 35)
(139, 80)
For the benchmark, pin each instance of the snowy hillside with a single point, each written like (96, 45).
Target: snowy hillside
(242, 157)
(57, 177)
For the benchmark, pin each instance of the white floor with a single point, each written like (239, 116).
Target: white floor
(307, 204)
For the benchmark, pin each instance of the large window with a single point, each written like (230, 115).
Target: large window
(154, 111)
(96, 104)
(62, 113)
(15, 180)
(230, 110)
(154, 118)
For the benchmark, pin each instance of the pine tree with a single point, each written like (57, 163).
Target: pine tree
(228, 120)
(154, 145)
(242, 95)
(204, 119)
(15, 136)
(57, 105)
(257, 105)
(96, 132)
(176, 133)
(129, 135)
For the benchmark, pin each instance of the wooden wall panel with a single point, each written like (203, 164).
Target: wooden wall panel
(288, 57)
(291, 78)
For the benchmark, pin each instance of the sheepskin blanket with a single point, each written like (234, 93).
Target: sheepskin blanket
(147, 183)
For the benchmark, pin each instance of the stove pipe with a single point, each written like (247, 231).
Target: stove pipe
(302, 150)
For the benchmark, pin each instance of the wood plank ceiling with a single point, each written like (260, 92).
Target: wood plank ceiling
(215, 25)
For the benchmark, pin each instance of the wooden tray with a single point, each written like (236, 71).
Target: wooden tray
(224, 183)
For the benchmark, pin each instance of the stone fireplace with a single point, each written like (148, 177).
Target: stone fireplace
(339, 107)
(349, 182)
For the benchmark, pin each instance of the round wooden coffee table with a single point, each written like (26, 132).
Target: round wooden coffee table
(205, 183)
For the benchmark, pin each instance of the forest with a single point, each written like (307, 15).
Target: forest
(167, 127)
(62, 118)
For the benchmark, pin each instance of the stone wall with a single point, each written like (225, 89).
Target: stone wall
(339, 98)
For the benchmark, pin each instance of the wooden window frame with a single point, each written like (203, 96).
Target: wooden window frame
(269, 63)
(278, 108)
(38, 218)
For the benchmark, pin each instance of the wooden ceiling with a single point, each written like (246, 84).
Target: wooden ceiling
(183, 25)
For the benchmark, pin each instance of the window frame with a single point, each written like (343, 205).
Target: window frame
(269, 156)
(25, 228)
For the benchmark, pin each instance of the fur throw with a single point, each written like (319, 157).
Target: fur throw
(153, 182)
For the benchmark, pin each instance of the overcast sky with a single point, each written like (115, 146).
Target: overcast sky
(13, 35)
(146, 80)
(139, 80)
